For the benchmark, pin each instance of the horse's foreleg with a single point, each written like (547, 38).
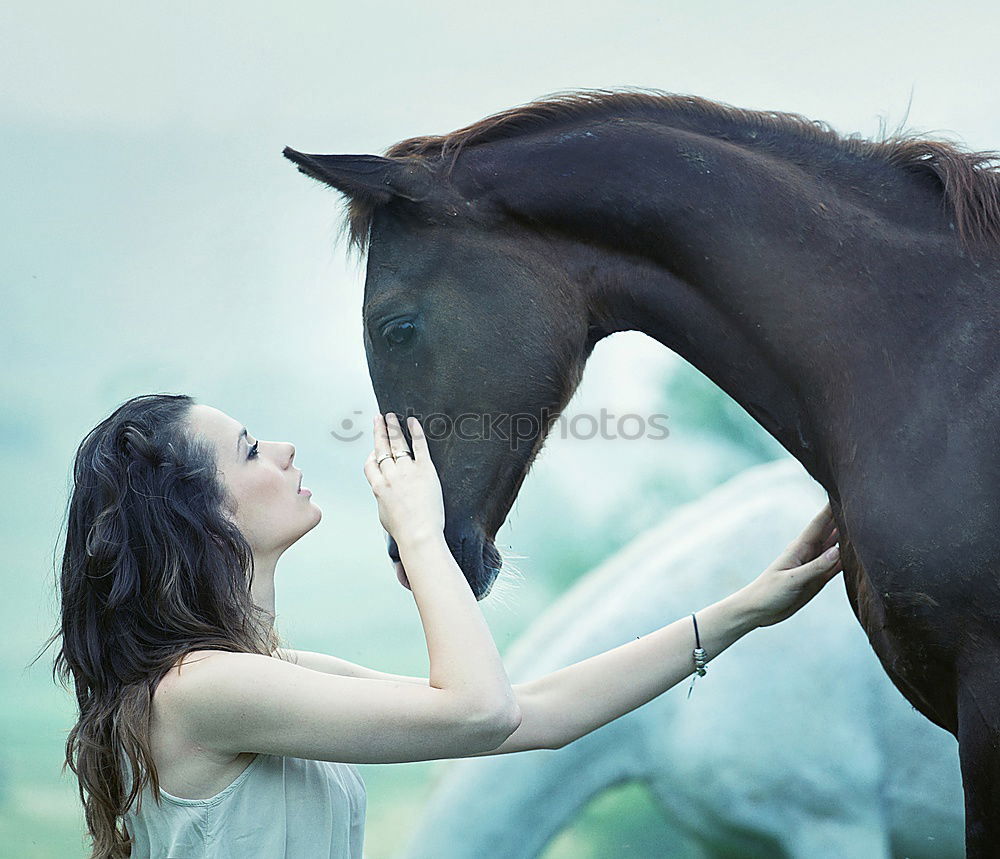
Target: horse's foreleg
(979, 753)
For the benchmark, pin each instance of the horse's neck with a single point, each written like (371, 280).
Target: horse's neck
(631, 294)
(746, 226)
(771, 279)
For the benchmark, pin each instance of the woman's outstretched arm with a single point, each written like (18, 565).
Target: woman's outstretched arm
(569, 703)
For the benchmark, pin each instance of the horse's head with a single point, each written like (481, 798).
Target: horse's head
(470, 326)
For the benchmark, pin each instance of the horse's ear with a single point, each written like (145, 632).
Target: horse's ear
(368, 177)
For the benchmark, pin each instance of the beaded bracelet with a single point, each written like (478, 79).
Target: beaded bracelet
(700, 657)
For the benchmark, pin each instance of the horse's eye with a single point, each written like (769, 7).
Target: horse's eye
(399, 333)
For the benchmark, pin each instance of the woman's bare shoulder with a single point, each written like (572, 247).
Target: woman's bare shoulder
(187, 665)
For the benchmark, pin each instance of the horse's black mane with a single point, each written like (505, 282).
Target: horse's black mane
(970, 181)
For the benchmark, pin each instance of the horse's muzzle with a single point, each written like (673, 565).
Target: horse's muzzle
(475, 553)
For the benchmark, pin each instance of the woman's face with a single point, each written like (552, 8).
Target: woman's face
(271, 512)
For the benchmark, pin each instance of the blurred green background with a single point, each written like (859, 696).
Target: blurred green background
(155, 240)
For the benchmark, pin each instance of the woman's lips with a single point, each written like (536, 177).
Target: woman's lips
(305, 491)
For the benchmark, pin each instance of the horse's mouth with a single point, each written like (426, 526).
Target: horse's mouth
(476, 555)
(490, 564)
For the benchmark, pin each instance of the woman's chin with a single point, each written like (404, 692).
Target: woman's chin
(314, 520)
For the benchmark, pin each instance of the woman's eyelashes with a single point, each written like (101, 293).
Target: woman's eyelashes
(253, 450)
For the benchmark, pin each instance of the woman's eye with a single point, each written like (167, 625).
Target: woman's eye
(253, 450)
(399, 333)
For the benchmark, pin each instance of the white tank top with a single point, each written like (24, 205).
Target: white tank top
(278, 807)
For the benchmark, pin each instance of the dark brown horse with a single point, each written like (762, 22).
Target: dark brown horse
(845, 292)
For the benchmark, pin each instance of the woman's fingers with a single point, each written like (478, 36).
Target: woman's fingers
(397, 441)
(831, 538)
(372, 472)
(802, 570)
(826, 562)
(389, 438)
(811, 541)
(828, 557)
(381, 438)
(819, 526)
(421, 452)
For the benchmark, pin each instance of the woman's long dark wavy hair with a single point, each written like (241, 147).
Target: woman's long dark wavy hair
(152, 569)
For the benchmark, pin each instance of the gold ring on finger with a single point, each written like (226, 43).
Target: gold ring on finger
(387, 456)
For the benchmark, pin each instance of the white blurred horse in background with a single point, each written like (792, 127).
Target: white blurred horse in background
(794, 744)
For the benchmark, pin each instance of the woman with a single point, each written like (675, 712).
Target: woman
(200, 736)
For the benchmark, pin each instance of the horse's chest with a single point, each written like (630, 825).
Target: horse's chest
(910, 622)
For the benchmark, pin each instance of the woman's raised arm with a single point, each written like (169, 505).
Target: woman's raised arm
(243, 702)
